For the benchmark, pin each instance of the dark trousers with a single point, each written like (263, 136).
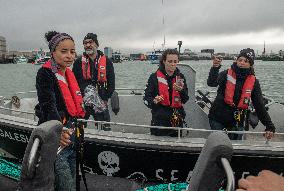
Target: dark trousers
(215, 125)
(163, 132)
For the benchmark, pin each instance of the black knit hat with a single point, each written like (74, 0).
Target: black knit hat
(93, 37)
(249, 54)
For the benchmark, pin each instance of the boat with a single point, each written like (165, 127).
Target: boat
(20, 60)
(41, 60)
(129, 151)
(272, 58)
(40, 57)
(154, 57)
(116, 57)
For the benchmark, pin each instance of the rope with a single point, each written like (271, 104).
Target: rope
(16, 101)
(10, 169)
(169, 187)
(166, 187)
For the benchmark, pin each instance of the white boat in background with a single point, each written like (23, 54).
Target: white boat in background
(155, 56)
(116, 57)
(20, 60)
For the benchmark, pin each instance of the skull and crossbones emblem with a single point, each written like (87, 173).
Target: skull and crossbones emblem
(108, 162)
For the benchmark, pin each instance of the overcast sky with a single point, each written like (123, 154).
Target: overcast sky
(126, 25)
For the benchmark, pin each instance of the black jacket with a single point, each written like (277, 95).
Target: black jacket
(104, 92)
(159, 112)
(222, 112)
(51, 103)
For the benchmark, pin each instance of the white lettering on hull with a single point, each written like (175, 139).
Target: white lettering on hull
(159, 175)
(14, 136)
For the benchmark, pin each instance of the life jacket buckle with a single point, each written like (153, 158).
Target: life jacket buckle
(176, 119)
(237, 115)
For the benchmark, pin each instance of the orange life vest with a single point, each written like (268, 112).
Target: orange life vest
(246, 90)
(101, 69)
(164, 91)
(70, 91)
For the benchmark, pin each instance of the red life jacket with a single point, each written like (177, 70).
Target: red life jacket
(70, 91)
(164, 91)
(101, 69)
(246, 90)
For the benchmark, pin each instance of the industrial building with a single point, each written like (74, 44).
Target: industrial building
(3, 48)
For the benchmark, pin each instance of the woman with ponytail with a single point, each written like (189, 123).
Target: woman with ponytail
(60, 99)
(238, 90)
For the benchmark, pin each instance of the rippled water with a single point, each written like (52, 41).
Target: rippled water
(15, 78)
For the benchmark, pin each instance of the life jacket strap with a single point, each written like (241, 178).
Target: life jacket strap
(79, 155)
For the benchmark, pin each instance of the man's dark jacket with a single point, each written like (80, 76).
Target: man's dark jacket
(104, 92)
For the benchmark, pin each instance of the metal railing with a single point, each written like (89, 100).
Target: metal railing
(19, 111)
(100, 124)
(229, 174)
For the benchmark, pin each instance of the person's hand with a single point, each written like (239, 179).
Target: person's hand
(265, 181)
(217, 60)
(65, 137)
(105, 102)
(178, 87)
(158, 99)
(268, 134)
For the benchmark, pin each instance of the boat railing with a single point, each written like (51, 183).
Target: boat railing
(121, 127)
(28, 92)
(99, 125)
(17, 112)
(181, 131)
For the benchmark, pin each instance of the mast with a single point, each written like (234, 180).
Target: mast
(263, 53)
(164, 42)
(154, 46)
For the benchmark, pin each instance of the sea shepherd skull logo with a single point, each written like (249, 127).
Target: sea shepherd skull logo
(109, 162)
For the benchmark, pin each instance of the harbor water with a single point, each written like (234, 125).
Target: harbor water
(134, 74)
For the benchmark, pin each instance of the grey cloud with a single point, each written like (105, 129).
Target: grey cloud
(120, 23)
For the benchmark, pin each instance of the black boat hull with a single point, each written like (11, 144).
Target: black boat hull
(146, 162)
(166, 164)
(14, 139)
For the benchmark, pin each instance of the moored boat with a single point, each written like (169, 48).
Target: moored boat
(42, 60)
(20, 60)
(154, 57)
